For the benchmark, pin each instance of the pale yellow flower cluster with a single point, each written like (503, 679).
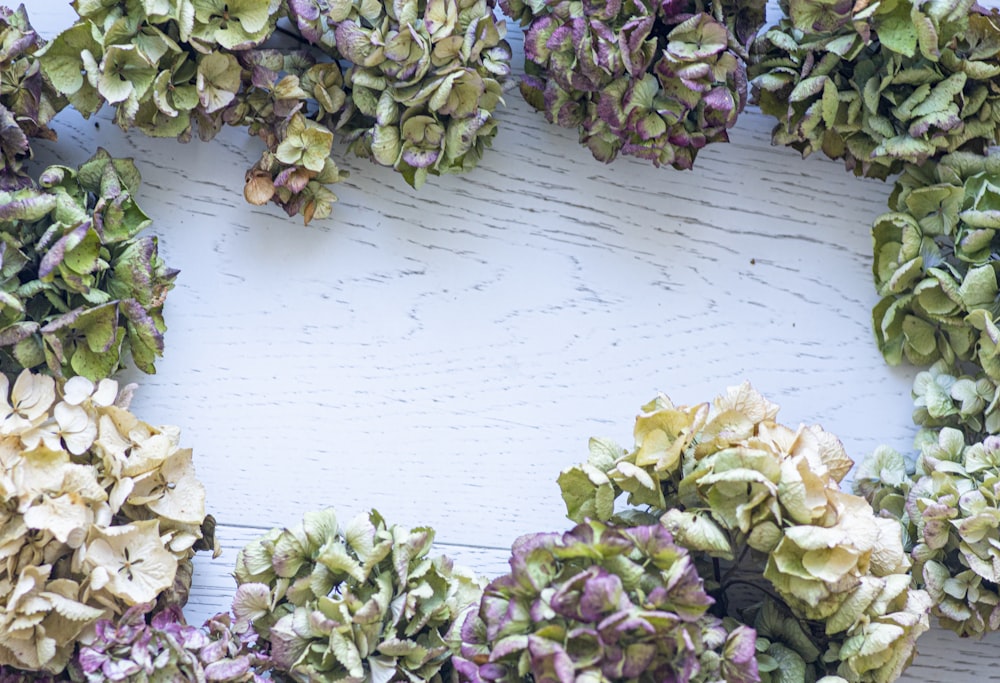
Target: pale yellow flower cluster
(100, 510)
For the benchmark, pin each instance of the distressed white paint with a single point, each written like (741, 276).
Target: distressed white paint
(442, 354)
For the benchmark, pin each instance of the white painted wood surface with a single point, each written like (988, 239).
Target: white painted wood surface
(440, 355)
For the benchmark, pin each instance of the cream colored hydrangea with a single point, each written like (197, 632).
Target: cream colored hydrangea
(759, 506)
(101, 512)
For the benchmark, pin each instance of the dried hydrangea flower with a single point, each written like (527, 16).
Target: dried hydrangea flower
(880, 84)
(655, 80)
(424, 80)
(759, 506)
(602, 603)
(420, 82)
(360, 602)
(949, 506)
(179, 67)
(27, 100)
(101, 515)
(934, 265)
(79, 288)
(140, 646)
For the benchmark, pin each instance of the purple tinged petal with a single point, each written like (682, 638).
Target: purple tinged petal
(306, 14)
(510, 645)
(611, 110)
(261, 77)
(536, 40)
(294, 178)
(29, 208)
(165, 617)
(493, 672)
(227, 669)
(638, 657)
(565, 37)
(549, 662)
(420, 158)
(54, 256)
(721, 100)
(353, 42)
(669, 9)
(621, 623)
(631, 39)
(468, 671)
(603, 10)
(91, 660)
(740, 656)
(142, 322)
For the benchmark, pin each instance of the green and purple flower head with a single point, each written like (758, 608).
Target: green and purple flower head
(27, 100)
(80, 289)
(161, 646)
(655, 79)
(602, 603)
(759, 507)
(880, 84)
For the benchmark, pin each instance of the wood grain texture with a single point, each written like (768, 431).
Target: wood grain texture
(441, 355)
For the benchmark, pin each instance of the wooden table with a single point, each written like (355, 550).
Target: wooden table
(442, 354)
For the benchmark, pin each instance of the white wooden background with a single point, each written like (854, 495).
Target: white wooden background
(441, 355)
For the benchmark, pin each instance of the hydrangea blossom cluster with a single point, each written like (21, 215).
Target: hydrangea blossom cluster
(362, 602)
(424, 80)
(601, 603)
(880, 84)
(79, 289)
(409, 85)
(965, 402)
(655, 79)
(935, 266)
(949, 507)
(102, 512)
(759, 506)
(163, 647)
(27, 100)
